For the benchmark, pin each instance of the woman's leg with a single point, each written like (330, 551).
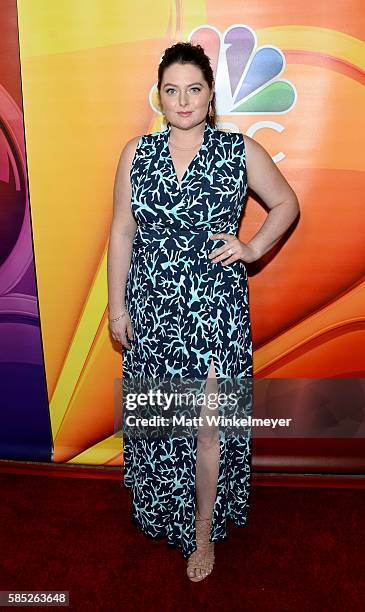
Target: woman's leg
(207, 470)
(207, 463)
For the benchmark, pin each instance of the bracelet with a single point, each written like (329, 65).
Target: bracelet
(123, 313)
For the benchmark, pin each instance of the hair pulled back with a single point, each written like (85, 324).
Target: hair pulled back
(187, 53)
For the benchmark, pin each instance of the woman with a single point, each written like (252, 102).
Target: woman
(177, 286)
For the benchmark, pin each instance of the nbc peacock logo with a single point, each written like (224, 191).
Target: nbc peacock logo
(247, 77)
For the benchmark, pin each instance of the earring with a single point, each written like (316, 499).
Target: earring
(210, 110)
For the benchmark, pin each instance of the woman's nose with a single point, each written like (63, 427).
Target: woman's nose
(183, 99)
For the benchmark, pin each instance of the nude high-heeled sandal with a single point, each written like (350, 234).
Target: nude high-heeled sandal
(203, 558)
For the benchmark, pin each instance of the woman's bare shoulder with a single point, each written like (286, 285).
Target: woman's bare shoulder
(131, 144)
(126, 158)
(135, 139)
(252, 145)
(128, 151)
(256, 154)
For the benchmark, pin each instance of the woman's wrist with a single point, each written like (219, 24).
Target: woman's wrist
(116, 313)
(258, 251)
(120, 316)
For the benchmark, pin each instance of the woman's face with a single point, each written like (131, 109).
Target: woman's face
(184, 90)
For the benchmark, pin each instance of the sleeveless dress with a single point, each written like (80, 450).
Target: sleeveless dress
(186, 310)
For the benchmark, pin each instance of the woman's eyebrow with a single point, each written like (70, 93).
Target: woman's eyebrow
(197, 83)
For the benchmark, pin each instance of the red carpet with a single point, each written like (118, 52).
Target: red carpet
(302, 549)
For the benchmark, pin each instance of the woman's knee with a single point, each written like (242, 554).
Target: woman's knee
(208, 437)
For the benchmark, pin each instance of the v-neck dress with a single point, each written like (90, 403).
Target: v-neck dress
(186, 310)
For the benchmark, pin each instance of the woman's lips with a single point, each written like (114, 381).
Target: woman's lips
(185, 114)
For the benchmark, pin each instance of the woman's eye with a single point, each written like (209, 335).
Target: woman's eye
(172, 89)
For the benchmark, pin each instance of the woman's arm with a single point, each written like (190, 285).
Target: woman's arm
(266, 180)
(122, 231)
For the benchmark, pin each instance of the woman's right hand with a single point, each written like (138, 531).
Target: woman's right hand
(119, 330)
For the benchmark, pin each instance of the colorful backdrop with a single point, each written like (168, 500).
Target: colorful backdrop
(78, 79)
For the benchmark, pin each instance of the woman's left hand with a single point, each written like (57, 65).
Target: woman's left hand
(233, 250)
